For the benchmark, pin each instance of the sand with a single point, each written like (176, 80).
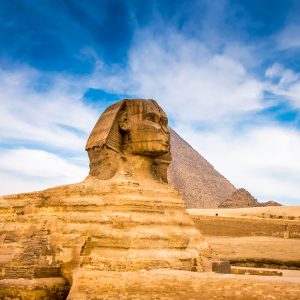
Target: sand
(257, 247)
(273, 212)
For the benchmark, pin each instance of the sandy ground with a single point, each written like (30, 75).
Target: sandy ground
(255, 247)
(273, 212)
(175, 284)
(287, 275)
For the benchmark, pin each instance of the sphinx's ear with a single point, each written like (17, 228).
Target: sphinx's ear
(123, 121)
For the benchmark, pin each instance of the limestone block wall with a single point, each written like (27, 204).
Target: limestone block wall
(37, 289)
(229, 226)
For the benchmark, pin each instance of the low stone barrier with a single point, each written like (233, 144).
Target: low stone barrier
(234, 226)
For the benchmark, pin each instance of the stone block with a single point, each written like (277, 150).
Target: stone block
(221, 267)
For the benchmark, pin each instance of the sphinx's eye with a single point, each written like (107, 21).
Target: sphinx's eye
(150, 117)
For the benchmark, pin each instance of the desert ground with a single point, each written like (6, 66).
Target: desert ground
(272, 212)
(253, 237)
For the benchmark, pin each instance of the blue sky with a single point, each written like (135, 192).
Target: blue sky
(226, 72)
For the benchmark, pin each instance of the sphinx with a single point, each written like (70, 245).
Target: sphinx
(131, 135)
(123, 217)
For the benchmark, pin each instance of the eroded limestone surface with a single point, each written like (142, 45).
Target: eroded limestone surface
(182, 285)
(122, 217)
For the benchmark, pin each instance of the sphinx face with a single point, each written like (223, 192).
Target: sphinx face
(135, 126)
(147, 128)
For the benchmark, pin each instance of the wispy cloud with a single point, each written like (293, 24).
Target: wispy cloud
(23, 170)
(39, 163)
(285, 83)
(52, 117)
(289, 37)
(186, 77)
(55, 115)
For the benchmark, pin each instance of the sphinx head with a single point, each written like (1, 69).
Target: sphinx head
(130, 127)
(144, 125)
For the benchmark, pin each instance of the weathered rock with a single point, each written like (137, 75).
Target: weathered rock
(131, 135)
(181, 285)
(122, 217)
(223, 267)
(269, 203)
(200, 184)
(240, 198)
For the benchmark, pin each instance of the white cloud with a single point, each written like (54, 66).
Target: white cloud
(39, 163)
(23, 170)
(198, 84)
(55, 117)
(189, 81)
(264, 159)
(284, 82)
(289, 37)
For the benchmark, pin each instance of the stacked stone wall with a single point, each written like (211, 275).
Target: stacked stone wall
(229, 226)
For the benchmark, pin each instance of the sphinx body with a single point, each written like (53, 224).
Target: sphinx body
(123, 217)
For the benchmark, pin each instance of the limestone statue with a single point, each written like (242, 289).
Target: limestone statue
(122, 217)
(128, 129)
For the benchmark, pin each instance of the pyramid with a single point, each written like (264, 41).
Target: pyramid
(200, 184)
(240, 198)
(270, 203)
(124, 217)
